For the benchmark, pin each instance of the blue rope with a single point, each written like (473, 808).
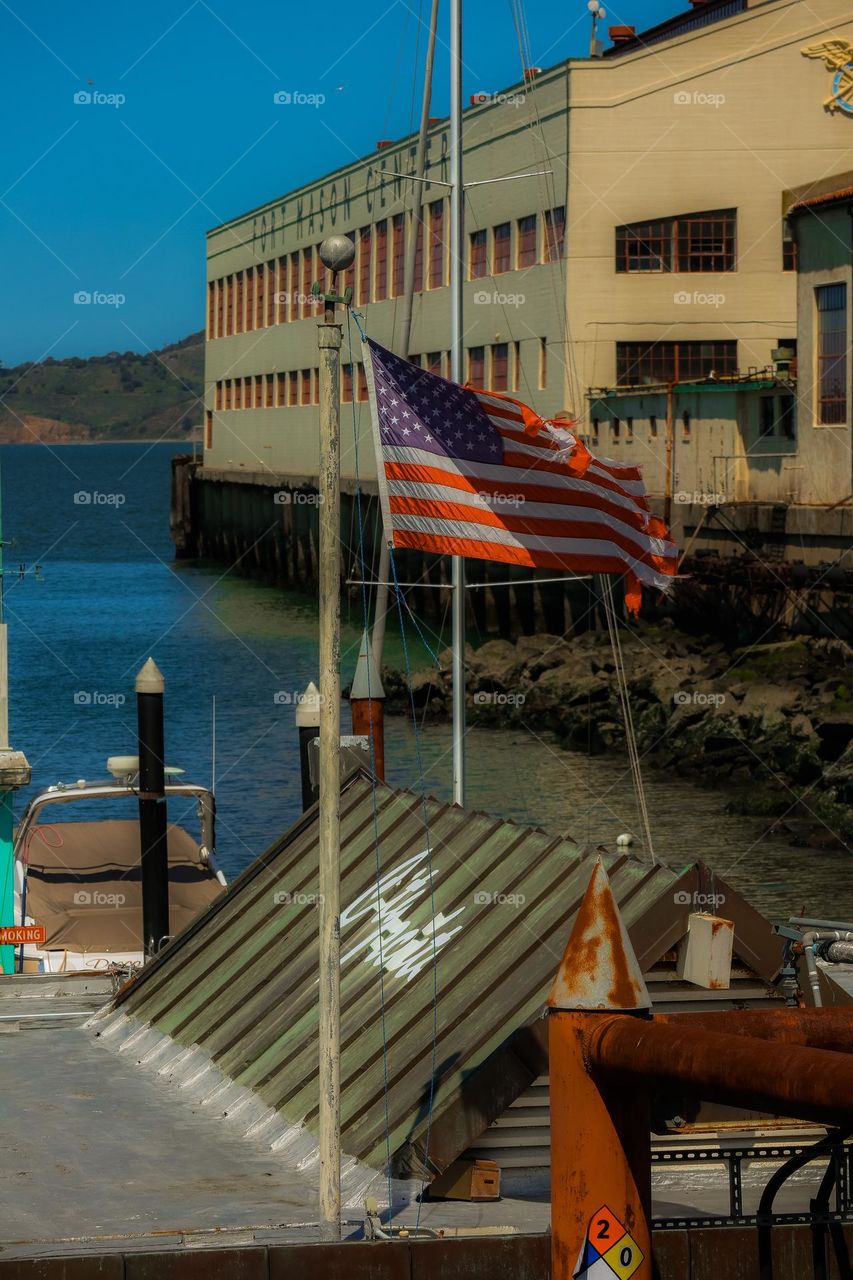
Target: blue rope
(376, 845)
(422, 786)
(357, 316)
(423, 639)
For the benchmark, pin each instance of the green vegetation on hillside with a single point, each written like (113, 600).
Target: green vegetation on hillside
(120, 396)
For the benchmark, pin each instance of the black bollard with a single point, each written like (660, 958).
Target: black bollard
(154, 847)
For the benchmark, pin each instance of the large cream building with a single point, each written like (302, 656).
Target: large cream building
(650, 245)
(689, 142)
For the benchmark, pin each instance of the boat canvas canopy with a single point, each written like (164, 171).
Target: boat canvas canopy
(87, 889)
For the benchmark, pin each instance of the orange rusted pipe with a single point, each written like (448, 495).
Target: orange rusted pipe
(799, 1081)
(823, 1028)
(600, 1154)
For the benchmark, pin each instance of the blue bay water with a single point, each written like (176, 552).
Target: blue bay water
(111, 596)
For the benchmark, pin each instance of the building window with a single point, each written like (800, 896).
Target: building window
(208, 430)
(434, 363)
(476, 366)
(499, 380)
(629, 429)
(436, 244)
(653, 426)
(527, 250)
(348, 281)
(227, 393)
(685, 427)
(305, 397)
(293, 288)
(293, 387)
(399, 252)
(217, 396)
(271, 277)
(639, 363)
(364, 265)
(229, 305)
(281, 389)
(260, 296)
(347, 384)
(269, 402)
(832, 353)
(516, 365)
(767, 416)
(789, 248)
(220, 308)
(595, 428)
(280, 295)
(555, 233)
(361, 391)
(381, 261)
(693, 242)
(238, 393)
(238, 304)
(211, 308)
(543, 362)
(478, 265)
(419, 257)
(259, 391)
(615, 430)
(316, 396)
(502, 246)
(787, 418)
(307, 281)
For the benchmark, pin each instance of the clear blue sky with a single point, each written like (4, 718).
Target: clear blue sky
(116, 199)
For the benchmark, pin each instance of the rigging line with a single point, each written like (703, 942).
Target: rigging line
(422, 786)
(630, 735)
(626, 712)
(376, 841)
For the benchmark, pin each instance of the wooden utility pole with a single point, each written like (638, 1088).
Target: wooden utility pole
(336, 253)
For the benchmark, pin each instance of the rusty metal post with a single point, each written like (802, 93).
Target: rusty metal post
(600, 1143)
(367, 704)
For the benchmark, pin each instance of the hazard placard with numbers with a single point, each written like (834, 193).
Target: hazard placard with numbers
(609, 1250)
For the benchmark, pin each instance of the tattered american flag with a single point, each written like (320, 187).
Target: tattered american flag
(465, 472)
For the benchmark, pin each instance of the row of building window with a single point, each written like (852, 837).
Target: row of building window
(280, 290)
(690, 242)
(642, 362)
(496, 367)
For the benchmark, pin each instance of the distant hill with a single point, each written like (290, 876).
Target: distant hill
(119, 396)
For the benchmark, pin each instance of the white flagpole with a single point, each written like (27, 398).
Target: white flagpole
(457, 277)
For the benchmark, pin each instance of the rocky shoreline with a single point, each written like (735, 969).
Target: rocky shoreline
(771, 725)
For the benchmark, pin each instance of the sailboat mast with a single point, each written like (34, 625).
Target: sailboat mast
(457, 277)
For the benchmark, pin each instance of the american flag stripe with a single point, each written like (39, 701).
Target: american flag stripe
(527, 531)
(575, 492)
(474, 473)
(481, 549)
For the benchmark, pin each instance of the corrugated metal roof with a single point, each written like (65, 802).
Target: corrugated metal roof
(241, 982)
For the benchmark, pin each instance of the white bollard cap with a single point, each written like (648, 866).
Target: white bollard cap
(308, 708)
(150, 679)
